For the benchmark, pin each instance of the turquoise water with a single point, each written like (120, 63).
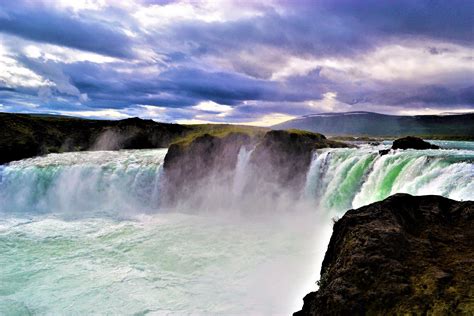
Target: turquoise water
(340, 179)
(153, 264)
(84, 233)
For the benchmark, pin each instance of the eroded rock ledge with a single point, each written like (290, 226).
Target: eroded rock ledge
(280, 158)
(404, 255)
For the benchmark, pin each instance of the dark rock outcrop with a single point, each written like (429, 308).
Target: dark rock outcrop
(283, 157)
(384, 151)
(411, 142)
(405, 255)
(186, 164)
(279, 158)
(23, 136)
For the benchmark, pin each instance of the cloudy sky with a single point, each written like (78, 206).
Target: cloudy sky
(257, 62)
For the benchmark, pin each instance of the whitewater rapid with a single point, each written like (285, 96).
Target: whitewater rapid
(85, 232)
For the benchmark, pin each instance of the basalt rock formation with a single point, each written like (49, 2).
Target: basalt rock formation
(405, 255)
(187, 163)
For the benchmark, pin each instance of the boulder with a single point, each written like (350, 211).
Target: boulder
(411, 142)
(384, 151)
(406, 255)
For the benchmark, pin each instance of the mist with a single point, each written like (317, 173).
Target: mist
(273, 237)
(235, 231)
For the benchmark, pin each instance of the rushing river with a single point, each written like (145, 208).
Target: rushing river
(84, 233)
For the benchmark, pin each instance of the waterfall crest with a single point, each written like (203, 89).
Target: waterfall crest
(131, 181)
(339, 179)
(78, 182)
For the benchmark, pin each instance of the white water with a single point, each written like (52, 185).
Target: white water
(340, 179)
(84, 233)
(241, 176)
(83, 182)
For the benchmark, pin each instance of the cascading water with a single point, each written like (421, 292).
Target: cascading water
(240, 176)
(84, 232)
(340, 179)
(79, 182)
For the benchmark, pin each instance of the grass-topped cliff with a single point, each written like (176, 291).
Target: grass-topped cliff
(278, 159)
(218, 130)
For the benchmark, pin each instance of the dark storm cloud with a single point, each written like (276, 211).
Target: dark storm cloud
(435, 96)
(295, 33)
(331, 27)
(234, 60)
(43, 24)
(179, 86)
(446, 20)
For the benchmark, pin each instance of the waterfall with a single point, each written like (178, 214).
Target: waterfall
(130, 181)
(241, 175)
(77, 182)
(339, 179)
(66, 219)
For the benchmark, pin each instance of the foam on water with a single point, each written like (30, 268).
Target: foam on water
(340, 179)
(83, 233)
(155, 263)
(83, 182)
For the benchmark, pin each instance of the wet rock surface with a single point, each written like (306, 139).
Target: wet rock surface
(404, 255)
(284, 157)
(411, 142)
(279, 158)
(186, 164)
(408, 142)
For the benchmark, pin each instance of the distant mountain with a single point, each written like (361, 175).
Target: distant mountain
(375, 124)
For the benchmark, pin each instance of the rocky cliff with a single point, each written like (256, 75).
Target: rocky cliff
(188, 163)
(284, 156)
(405, 255)
(24, 136)
(279, 158)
